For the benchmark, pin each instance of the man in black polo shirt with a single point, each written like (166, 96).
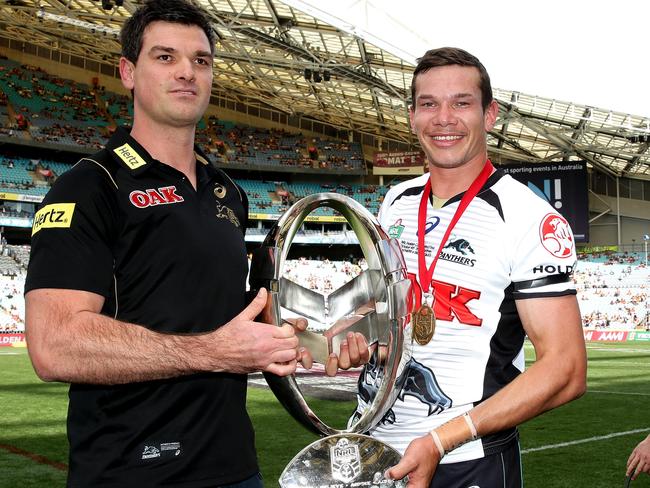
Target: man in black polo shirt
(135, 288)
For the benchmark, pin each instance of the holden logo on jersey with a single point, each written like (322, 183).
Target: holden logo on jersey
(395, 230)
(151, 197)
(556, 236)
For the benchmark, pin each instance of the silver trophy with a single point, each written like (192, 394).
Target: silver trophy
(375, 304)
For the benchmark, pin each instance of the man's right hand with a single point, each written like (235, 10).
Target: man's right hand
(247, 346)
(419, 463)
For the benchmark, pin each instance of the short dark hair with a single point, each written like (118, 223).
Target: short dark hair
(450, 56)
(174, 11)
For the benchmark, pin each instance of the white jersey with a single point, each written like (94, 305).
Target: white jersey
(508, 245)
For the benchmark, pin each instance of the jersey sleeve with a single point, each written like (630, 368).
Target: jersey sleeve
(544, 255)
(72, 233)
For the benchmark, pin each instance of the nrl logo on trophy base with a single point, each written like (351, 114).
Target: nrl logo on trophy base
(346, 463)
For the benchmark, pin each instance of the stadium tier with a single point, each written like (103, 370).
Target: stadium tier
(39, 107)
(33, 177)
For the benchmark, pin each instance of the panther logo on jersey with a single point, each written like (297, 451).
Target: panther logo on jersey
(460, 245)
(419, 382)
(555, 234)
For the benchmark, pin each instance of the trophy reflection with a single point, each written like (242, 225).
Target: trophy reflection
(373, 303)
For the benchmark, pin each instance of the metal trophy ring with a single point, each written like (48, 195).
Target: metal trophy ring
(375, 304)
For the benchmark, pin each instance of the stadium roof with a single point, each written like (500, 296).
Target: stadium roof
(271, 55)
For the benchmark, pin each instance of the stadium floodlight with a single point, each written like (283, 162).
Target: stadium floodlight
(89, 26)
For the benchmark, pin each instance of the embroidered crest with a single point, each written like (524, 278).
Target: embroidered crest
(224, 212)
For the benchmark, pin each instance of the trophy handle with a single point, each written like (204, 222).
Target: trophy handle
(385, 284)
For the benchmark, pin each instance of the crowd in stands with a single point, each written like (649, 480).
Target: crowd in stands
(51, 110)
(33, 177)
(13, 266)
(322, 276)
(239, 144)
(613, 290)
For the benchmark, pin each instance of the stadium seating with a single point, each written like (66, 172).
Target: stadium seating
(13, 266)
(613, 290)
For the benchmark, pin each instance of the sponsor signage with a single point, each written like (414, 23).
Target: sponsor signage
(605, 335)
(12, 339)
(152, 197)
(398, 163)
(563, 186)
(638, 335)
(17, 197)
(129, 156)
(55, 215)
(329, 219)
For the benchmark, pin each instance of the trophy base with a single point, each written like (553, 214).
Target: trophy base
(342, 461)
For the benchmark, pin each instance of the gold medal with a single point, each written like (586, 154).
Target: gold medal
(424, 324)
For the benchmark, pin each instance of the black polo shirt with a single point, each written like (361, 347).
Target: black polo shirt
(169, 258)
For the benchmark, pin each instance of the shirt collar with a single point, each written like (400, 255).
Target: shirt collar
(129, 154)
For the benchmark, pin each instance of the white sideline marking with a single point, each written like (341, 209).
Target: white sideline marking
(583, 441)
(619, 392)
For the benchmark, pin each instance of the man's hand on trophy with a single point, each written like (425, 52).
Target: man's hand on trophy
(246, 345)
(419, 463)
(353, 352)
(303, 356)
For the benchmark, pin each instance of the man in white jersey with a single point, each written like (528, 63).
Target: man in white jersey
(492, 262)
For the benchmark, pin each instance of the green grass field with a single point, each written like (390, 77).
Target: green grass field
(583, 444)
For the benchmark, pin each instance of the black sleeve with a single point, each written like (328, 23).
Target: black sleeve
(73, 232)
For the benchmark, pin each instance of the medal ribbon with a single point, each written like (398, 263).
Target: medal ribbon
(426, 274)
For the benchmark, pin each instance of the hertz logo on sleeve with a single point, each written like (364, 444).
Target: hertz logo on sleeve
(53, 215)
(131, 158)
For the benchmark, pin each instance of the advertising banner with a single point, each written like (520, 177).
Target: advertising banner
(639, 336)
(15, 339)
(605, 335)
(398, 163)
(18, 197)
(563, 185)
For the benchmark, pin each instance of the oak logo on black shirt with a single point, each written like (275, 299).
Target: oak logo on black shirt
(151, 196)
(52, 216)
